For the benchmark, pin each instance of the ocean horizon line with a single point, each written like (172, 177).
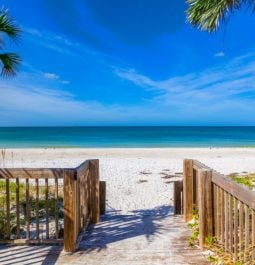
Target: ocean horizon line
(127, 136)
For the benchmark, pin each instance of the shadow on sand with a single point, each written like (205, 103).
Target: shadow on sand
(29, 254)
(115, 226)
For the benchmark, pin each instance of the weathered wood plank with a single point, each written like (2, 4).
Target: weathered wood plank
(8, 228)
(219, 212)
(230, 198)
(253, 234)
(17, 208)
(246, 233)
(188, 189)
(32, 241)
(56, 207)
(226, 200)
(82, 168)
(102, 194)
(205, 206)
(47, 207)
(222, 217)
(31, 172)
(241, 231)
(37, 208)
(235, 229)
(69, 211)
(27, 210)
(94, 175)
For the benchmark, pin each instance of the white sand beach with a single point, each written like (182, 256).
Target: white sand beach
(139, 178)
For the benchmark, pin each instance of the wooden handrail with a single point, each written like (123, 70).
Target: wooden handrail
(31, 173)
(241, 193)
(80, 200)
(226, 209)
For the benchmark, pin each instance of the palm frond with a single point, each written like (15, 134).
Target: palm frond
(8, 26)
(10, 63)
(208, 14)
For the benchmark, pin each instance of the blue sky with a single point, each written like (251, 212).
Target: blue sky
(136, 62)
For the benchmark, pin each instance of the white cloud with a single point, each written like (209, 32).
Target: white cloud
(26, 106)
(219, 54)
(51, 76)
(65, 82)
(221, 83)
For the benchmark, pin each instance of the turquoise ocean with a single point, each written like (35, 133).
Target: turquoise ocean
(17, 137)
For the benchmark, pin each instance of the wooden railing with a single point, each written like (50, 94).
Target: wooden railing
(226, 210)
(49, 205)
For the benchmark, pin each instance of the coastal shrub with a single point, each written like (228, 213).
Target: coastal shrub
(247, 180)
(22, 204)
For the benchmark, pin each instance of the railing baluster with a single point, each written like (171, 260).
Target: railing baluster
(230, 223)
(17, 208)
(8, 228)
(218, 216)
(241, 221)
(188, 189)
(247, 233)
(235, 229)
(103, 197)
(222, 217)
(56, 206)
(226, 221)
(37, 207)
(47, 207)
(27, 209)
(253, 234)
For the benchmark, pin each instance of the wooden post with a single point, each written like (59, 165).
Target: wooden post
(178, 202)
(102, 194)
(95, 205)
(205, 205)
(188, 189)
(69, 211)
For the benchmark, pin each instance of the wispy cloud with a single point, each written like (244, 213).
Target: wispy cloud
(228, 89)
(219, 54)
(51, 76)
(26, 106)
(228, 81)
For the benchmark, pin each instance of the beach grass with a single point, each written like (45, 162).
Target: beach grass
(22, 204)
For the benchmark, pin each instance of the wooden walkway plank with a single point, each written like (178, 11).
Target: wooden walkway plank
(120, 240)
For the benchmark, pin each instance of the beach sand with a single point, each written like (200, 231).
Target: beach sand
(137, 179)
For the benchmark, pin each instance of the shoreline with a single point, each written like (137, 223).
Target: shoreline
(126, 147)
(221, 159)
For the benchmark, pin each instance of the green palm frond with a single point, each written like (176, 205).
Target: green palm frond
(10, 63)
(8, 26)
(208, 14)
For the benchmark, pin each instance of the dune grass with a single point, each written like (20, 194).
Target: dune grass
(22, 204)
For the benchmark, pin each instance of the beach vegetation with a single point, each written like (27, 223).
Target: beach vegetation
(9, 61)
(207, 15)
(32, 205)
(193, 224)
(217, 255)
(247, 180)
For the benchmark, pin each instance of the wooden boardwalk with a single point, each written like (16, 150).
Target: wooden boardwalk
(146, 237)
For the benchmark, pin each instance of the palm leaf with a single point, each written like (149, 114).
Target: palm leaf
(208, 14)
(10, 63)
(8, 26)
